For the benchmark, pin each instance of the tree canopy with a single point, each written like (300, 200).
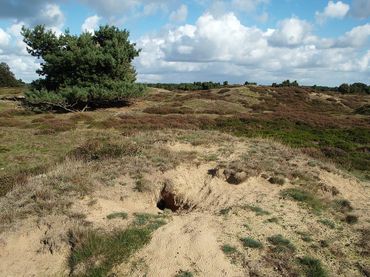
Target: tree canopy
(7, 78)
(79, 71)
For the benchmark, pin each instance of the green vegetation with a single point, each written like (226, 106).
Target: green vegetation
(184, 274)
(86, 71)
(281, 244)
(354, 88)
(121, 215)
(341, 145)
(328, 223)
(251, 242)
(97, 252)
(304, 196)
(188, 86)
(228, 249)
(286, 83)
(312, 267)
(7, 78)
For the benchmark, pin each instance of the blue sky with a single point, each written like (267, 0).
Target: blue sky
(315, 42)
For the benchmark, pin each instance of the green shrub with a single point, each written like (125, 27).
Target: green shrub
(304, 196)
(251, 243)
(182, 273)
(281, 243)
(312, 267)
(121, 215)
(328, 223)
(228, 249)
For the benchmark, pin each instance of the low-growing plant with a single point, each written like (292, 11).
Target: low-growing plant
(183, 273)
(121, 215)
(281, 244)
(228, 249)
(312, 267)
(305, 197)
(97, 252)
(251, 242)
(328, 223)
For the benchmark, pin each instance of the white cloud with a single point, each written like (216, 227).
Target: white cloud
(51, 15)
(4, 38)
(333, 10)
(90, 24)
(357, 37)
(180, 15)
(220, 48)
(360, 8)
(291, 32)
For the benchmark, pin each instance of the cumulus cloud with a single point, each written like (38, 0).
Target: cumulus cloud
(291, 32)
(357, 37)
(90, 24)
(179, 15)
(333, 10)
(4, 38)
(15, 55)
(220, 47)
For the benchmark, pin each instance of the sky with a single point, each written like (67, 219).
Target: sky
(264, 41)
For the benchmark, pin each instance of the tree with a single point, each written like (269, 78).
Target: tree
(226, 83)
(7, 78)
(89, 70)
(344, 88)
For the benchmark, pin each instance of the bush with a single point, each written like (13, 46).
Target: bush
(251, 243)
(312, 267)
(281, 243)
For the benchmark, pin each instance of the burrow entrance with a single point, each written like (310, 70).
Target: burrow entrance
(169, 200)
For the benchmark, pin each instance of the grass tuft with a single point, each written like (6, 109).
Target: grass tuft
(251, 243)
(228, 249)
(305, 197)
(95, 253)
(281, 244)
(121, 215)
(328, 223)
(312, 267)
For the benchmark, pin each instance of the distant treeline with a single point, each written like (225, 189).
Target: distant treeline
(355, 88)
(189, 86)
